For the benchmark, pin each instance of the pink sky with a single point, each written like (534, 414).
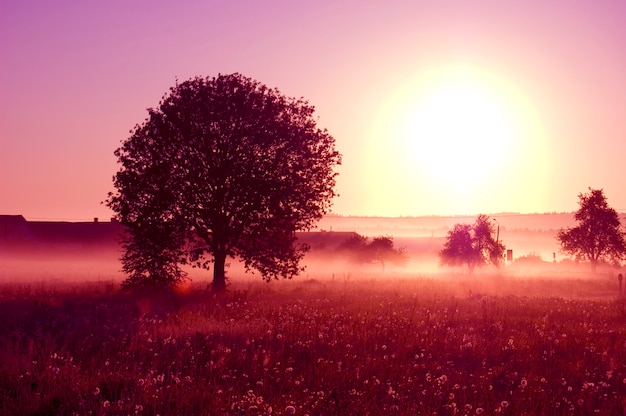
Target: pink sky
(76, 76)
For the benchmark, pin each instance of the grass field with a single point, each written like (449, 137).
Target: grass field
(373, 345)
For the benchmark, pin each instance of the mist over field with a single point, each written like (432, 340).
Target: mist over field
(59, 255)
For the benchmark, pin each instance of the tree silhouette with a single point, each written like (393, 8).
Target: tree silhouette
(598, 236)
(224, 167)
(380, 250)
(472, 245)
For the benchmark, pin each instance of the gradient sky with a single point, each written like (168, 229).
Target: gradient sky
(76, 76)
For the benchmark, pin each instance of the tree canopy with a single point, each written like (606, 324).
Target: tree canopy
(598, 235)
(472, 245)
(224, 167)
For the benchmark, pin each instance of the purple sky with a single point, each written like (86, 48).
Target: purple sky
(76, 76)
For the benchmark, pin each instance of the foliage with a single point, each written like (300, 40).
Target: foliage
(472, 245)
(377, 348)
(380, 250)
(598, 236)
(224, 167)
(532, 257)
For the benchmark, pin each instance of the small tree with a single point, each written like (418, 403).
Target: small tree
(354, 247)
(598, 235)
(472, 245)
(224, 167)
(382, 251)
(379, 250)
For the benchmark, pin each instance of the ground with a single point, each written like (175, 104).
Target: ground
(350, 344)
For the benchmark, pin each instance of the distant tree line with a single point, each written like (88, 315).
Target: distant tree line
(598, 237)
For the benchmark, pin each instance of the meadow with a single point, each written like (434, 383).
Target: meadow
(340, 345)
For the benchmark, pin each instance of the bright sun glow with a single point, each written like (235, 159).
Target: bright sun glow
(459, 137)
(458, 133)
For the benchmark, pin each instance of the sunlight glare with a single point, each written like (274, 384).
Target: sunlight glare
(458, 135)
(461, 137)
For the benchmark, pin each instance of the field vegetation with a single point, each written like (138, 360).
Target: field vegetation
(341, 345)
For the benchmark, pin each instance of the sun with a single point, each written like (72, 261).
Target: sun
(455, 139)
(458, 133)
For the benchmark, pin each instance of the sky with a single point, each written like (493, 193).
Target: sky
(438, 107)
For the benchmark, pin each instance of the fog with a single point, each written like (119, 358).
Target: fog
(77, 264)
(532, 240)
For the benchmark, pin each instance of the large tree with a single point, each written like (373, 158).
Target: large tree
(472, 245)
(598, 235)
(224, 167)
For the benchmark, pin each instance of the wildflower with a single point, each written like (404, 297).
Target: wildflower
(96, 391)
(106, 403)
(524, 382)
(480, 410)
(504, 404)
(290, 410)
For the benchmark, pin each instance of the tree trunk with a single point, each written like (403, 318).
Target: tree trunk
(219, 273)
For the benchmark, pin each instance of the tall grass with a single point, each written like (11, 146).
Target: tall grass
(319, 347)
